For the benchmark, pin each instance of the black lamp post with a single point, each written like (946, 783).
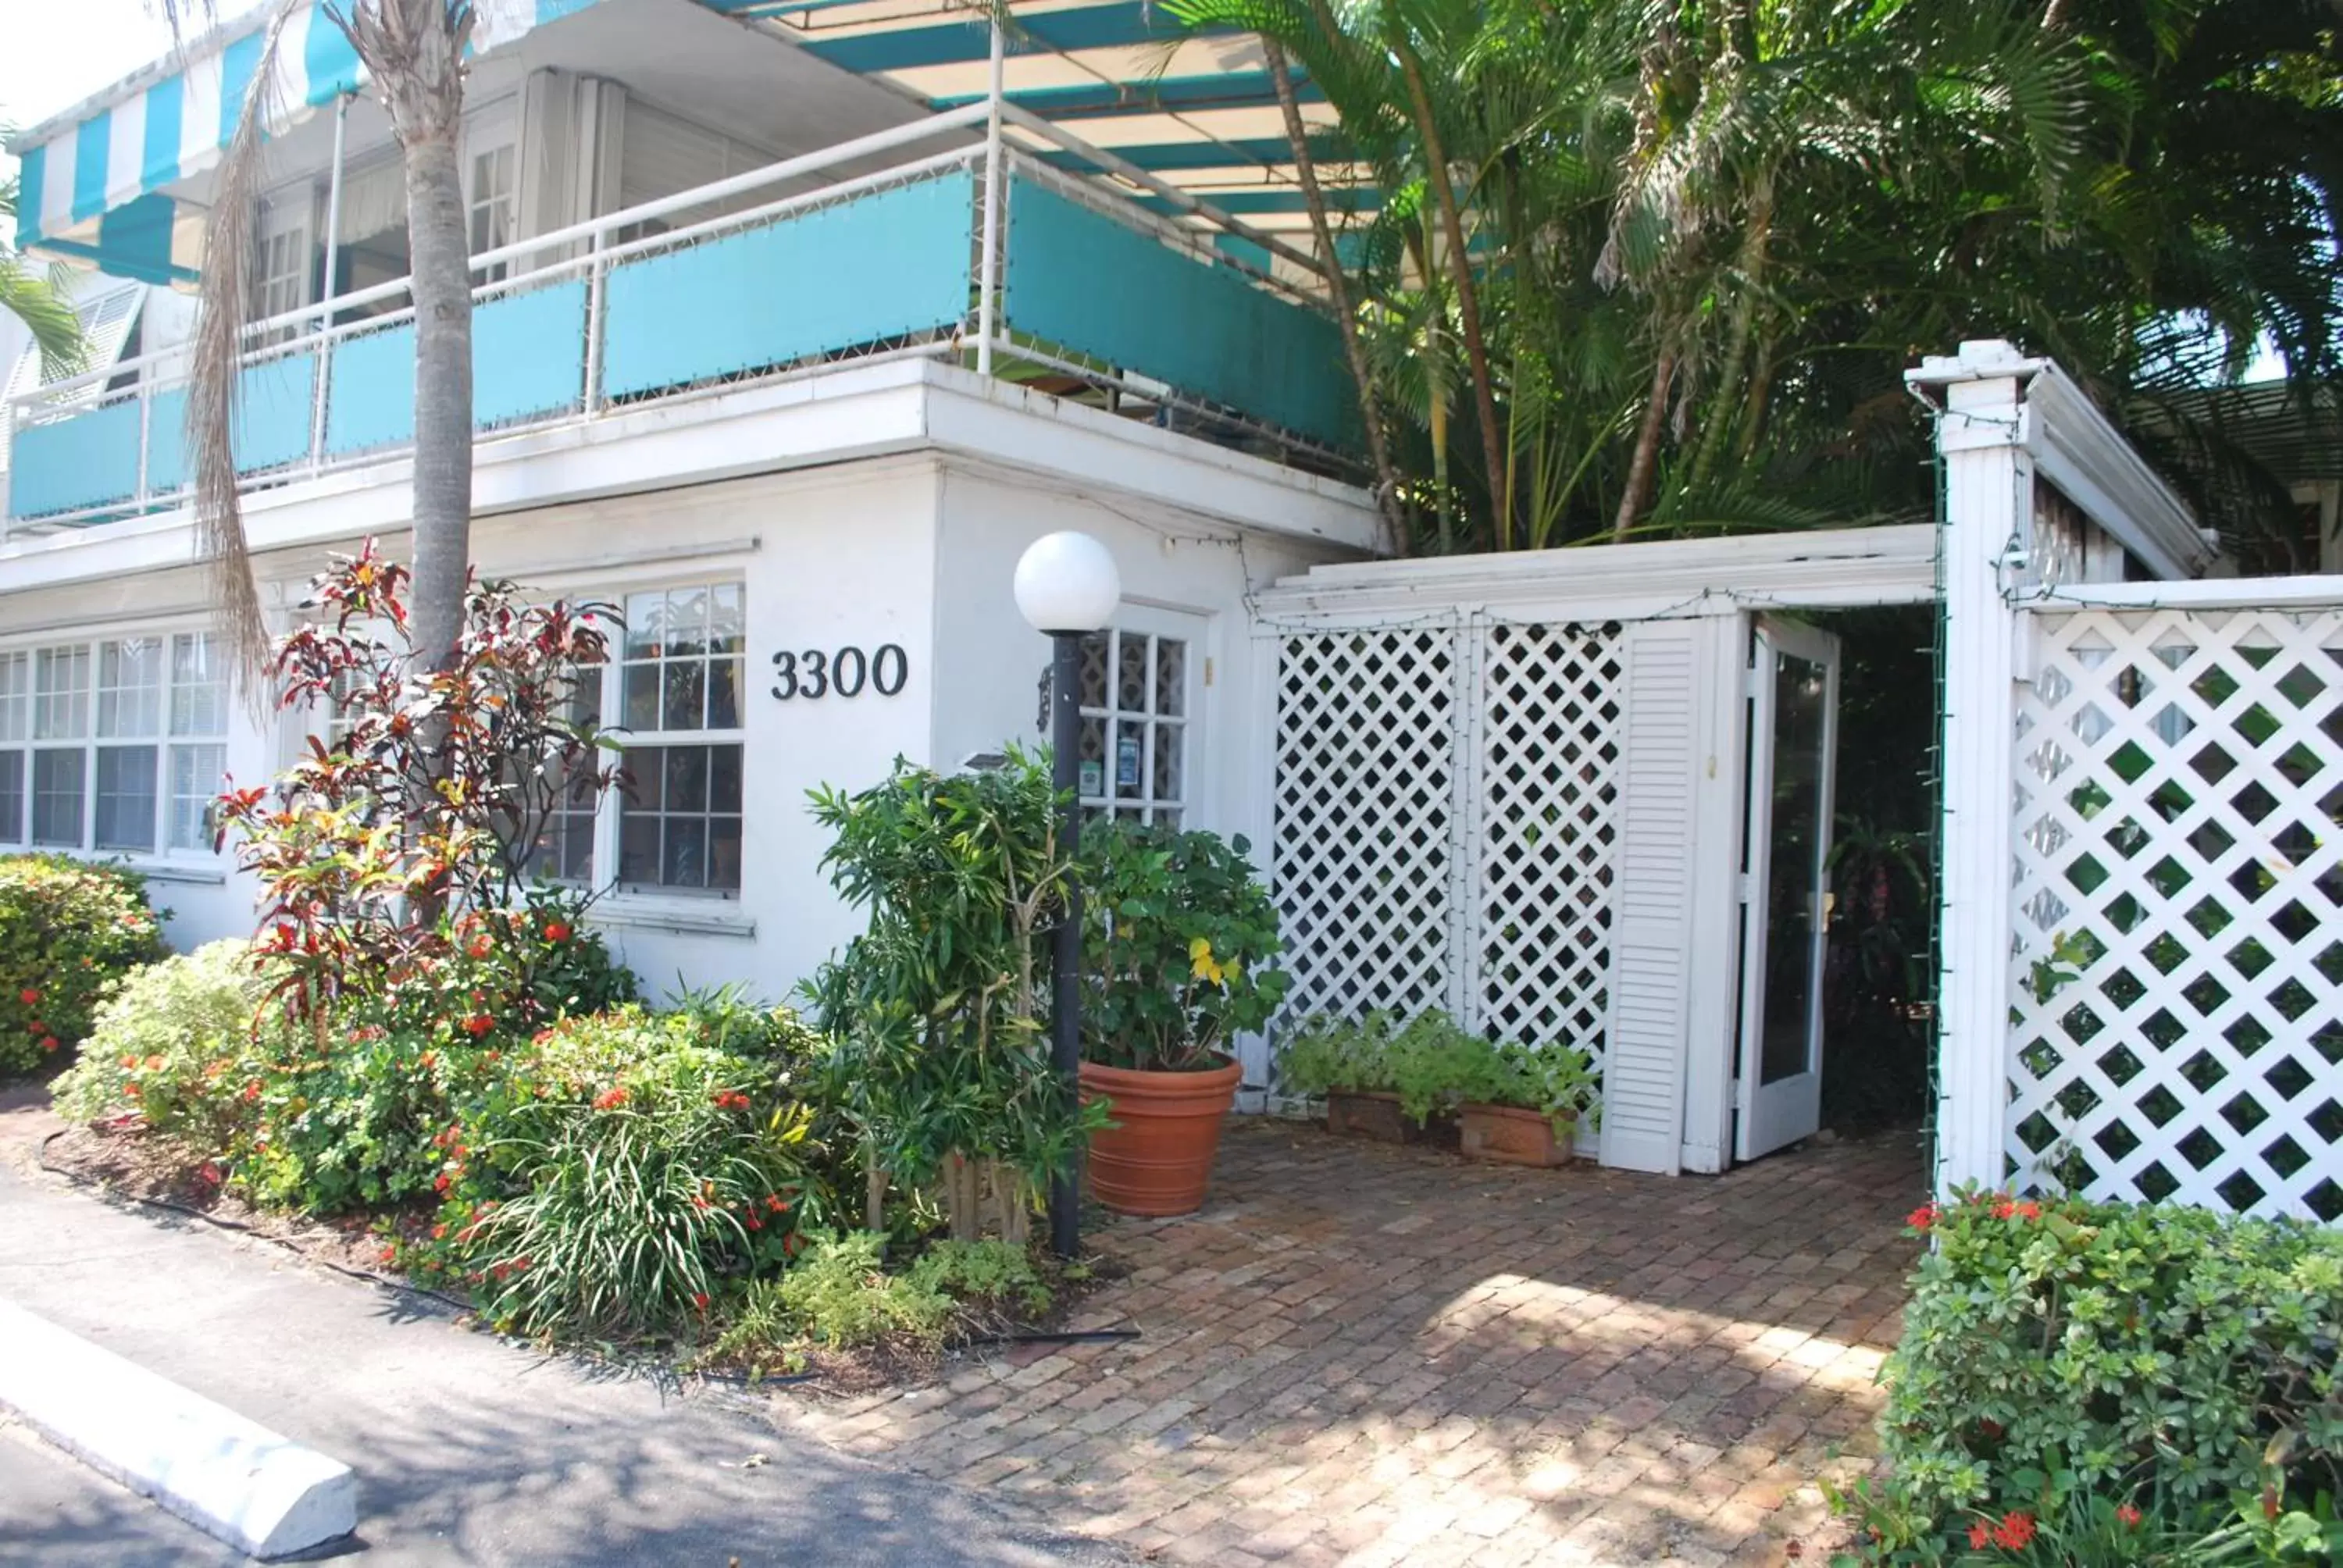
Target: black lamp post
(1068, 588)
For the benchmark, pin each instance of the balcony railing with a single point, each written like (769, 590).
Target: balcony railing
(1081, 286)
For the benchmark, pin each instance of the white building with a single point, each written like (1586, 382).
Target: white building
(798, 320)
(749, 361)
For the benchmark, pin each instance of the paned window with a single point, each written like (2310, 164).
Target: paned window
(680, 685)
(15, 728)
(116, 746)
(564, 850)
(199, 718)
(494, 203)
(1134, 705)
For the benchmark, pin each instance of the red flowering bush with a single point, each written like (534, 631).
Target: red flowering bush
(413, 842)
(2124, 1374)
(621, 1170)
(69, 931)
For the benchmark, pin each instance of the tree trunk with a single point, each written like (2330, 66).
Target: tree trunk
(1338, 291)
(414, 51)
(1741, 335)
(1646, 461)
(443, 396)
(1468, 300)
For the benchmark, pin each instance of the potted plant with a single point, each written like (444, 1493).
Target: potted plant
(1381, 1081)
(1177, 941)
(1345, 1062)
(1522, 1105)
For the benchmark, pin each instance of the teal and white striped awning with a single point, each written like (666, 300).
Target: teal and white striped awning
(1199, 112)
(103, 182)
(95, 180)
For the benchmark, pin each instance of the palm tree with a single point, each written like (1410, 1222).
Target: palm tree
(414, 53)
(37, 299)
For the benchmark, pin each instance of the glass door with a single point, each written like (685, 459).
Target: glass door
(1785, 883)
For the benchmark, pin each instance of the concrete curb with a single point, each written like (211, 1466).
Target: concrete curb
(230, 1477)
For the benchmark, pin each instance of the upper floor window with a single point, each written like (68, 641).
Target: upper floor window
(494, 203)
(116, 746)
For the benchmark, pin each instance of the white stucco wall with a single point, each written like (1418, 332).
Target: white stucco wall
(988, 690)
(917, 550)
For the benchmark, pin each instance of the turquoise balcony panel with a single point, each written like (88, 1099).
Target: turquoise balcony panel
(89, 459)
(891, 264)
(1122, 297)
(529, 362)
(274, 402)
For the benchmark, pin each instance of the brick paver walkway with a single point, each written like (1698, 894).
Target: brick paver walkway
(1364, 1354)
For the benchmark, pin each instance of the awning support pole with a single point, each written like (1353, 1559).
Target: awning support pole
(987, 307)
(325, 284)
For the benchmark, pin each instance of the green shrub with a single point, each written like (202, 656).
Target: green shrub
(2160, 1359)
(175, 1045)
(611, 1178)
(1177, 945)
(351, 1128)
(839, 1294)
(942, 1066)
(69, 929)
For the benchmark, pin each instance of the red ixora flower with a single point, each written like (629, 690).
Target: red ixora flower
(480, 948)
(48, 1043)
(2015, 1530)
(557, 931)
(699, 1300)
(479, 1024)
(610, 1099)
(29, 997)
(1980, 1536)
(2128, 1516)
(1923, 1217)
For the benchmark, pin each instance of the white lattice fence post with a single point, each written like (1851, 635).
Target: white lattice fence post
(1987, 497)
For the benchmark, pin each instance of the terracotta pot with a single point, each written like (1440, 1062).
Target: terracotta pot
(1366, 1113)
(1156, 1156)
(1513, 1136)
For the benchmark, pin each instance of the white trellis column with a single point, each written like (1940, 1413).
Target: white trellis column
(1987, 515)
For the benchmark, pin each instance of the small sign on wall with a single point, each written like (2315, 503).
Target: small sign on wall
(1093, 780)
(1126, 762)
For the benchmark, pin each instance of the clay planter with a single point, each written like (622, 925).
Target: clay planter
(1366, 1113)
(1375, 1114)
(1156, 1156)
(1512, 1136)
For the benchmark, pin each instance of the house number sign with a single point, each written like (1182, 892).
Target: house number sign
(812, 674)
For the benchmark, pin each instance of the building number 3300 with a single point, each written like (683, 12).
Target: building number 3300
(812, 674)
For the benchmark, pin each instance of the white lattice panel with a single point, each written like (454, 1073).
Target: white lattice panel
(1363, 840)
(2178, 996)
(1548, 749)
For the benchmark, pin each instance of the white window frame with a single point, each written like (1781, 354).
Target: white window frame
(289, 215)
(494, 129)
(608, 846)
(76, 730)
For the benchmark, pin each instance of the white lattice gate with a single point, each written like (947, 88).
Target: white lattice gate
(2177, 980)
(1444, 822)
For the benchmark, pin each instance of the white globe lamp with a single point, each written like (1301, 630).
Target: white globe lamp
(1067, 586)
(1066, 582)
